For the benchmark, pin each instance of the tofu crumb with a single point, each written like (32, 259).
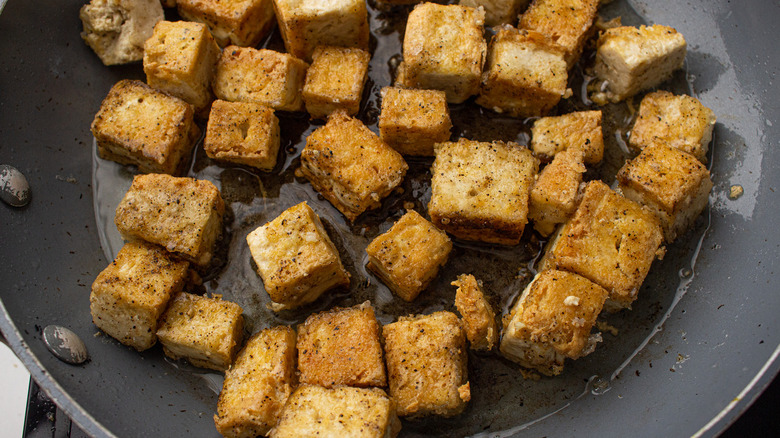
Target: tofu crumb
(572, 300)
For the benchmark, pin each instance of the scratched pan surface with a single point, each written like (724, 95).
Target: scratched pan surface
(698, 346)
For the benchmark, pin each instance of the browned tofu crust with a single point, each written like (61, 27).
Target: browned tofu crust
(556, 192)
(580, 129)
(244, 133)
(412, 121)
(242, 23)
(479, 319)
(497, 11)
(335, 80)
(568, 23)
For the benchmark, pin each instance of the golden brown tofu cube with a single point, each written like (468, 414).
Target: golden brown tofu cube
(350, 165)
(205, 331)
(681, 122)
(180, 59)
(525, 74)
(257, 385)
(335, 80)
(129, 296)
(478, 317)
(556, 192)
(306, 24)
(144, 127)
(581, 129)
(671, 183)
(408, 256)
(412, 121)
(610, 240)
(552, 320)
(443, 49)
(479, 191)
(314, 411)
(242, 23)
(341, 347)
(182, 214)
(567, 23)
(244, 133)
(497, 11)
(295, 258)
(426, 365)
(264, 76)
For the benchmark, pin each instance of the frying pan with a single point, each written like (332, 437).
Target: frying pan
(700, 344)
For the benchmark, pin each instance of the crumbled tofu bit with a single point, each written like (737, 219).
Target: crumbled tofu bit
(243, 23)
(497, 12)
(735, 192)
(572, 300)
(581, 129)
(568, 23)
(117, 29)
(244, 133)
(478, 317)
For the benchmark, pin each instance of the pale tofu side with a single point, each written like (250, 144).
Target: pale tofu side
(555, 194)
(408, 256)
(182, 214)
(552, 321)
(480, 191)
(568, 23)
(144, 127)
(257, 385)
(344, 412)
(478, 317)
(671, 183)
(498, 12)
(581, 129)
(129, 296)
(117, 30)
(295, 258)
(426, 365)
(335, 80)
(239, 22)
(205, 331)
(244, 133)
(412, 121)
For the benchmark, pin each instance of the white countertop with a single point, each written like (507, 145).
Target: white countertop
(14, 383)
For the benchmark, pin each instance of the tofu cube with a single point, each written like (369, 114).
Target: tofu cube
(497, 12)
(525, 74)
(341, 347)
(581, 129)
(129, 296)
(182, 214)
(205, 331)
(556, 192)
(552, 321)
(295, 258)
(671, 183)
(408, 256)
(681, 122)
(257, 385)
(117, 29)
(350, 165)
(335, 80)
(479, 190)
(477, 316)
(338, 412)
(146, 128)
(630, 60)
(242, 23)
(306, 24)
(426, 365)
(264, 76)
(444, 49)
(243, 133)
(412, 121)
(610, 240)
(568, 23)
(180, 59)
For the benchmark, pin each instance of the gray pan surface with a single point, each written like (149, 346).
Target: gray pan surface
(698, 347)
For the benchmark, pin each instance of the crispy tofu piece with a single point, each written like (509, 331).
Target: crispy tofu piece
(443, 49)
(180, 58)
(477, 316)
(241, 23)
(556, 192)
(568, 23)
(205, 331)
(498, 12)
(117, 29)
(295, 258)
(264, 76)
(408, 256)
(306, 24)
(335, 80)
(257, 385)
(525, 74)
(168, 3)
(479, 190)
(581, 129)
(630, 60)
(426, 365)
(412, 121)
(129, 296)
(610, 240)
(182, 214)
(552, 321)
(244, 133)
(681, 122)
(314, 411)
(144, 127)
(350, 165)
(341, 347)
(671, 183)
